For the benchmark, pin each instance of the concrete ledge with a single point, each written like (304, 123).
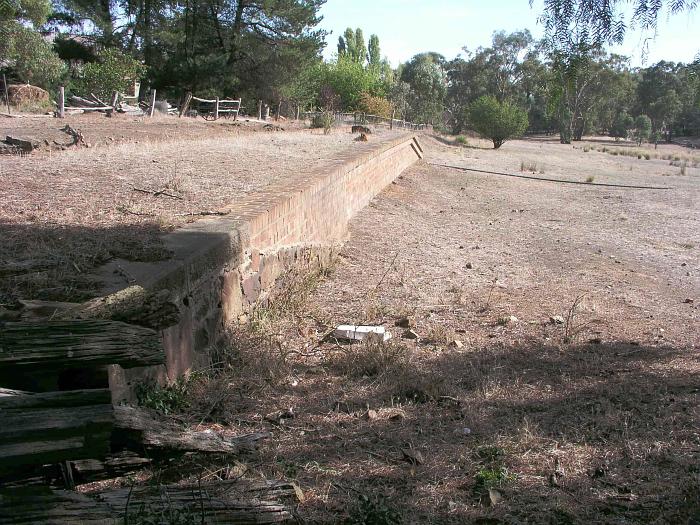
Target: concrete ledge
(222, 267)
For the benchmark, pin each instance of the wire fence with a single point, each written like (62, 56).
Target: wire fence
(361, 118)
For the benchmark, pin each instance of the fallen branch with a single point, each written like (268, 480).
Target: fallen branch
(201, 213)
(157, 193)
(76, 135)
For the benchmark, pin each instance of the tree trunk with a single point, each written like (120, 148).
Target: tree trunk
(236, 31)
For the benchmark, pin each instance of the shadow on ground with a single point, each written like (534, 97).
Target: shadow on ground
(590, 433)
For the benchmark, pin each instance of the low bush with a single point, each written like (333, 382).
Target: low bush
(323, 120)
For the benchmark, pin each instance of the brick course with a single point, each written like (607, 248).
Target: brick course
(224, 267)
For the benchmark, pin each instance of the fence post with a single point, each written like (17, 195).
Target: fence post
(216, 108)
(153, 103)
(259, 109)
(113, 103)
(7, 93)
(61, 102)
(185, 105)
(279, 108)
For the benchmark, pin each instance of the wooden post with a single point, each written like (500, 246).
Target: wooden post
(113, 103)
(216, 108)
(393, 114)
(153, 103)
(186, 104)
(279, 108)
(297, 112)
(259, 109)
(7, 93)
(61, 102)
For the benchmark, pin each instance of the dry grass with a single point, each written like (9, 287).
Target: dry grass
(593, 420)
(66, 213)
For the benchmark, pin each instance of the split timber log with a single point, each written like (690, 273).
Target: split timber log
(51, 427)
(83, 102)
(142, 436)
(24, 145)
(238, 502)
(44, 506)
(140, 429)
(114, 466)
(83, 343)
(134, 305)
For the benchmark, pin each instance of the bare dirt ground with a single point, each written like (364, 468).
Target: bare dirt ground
(500, 411)
(63, 213)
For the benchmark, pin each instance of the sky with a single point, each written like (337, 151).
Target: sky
(408, 27)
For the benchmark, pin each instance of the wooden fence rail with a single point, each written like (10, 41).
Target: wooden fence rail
(214, 107)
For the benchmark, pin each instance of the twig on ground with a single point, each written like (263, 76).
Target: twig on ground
(157, 193)
(385, 274)
(202, 213)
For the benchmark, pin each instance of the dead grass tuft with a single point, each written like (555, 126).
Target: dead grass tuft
(371, 359)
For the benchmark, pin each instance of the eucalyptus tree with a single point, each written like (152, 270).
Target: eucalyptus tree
(604, 21)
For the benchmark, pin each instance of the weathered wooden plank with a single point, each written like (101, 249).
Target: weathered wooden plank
(82, 343)
(114, 466)
(237, 502)
(72, 398)
(133, 305)
(142, 428)
(42, 505)
(39, 429)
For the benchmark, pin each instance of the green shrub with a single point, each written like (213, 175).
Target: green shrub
(498, 121)
(167, 399)
(32, 59)
(621, 126)
(324, 120)
(113, 71)
(487, 478)
(642, 129)
(375, 105)
(462, 140)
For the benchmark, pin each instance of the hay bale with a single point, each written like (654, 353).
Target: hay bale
(26, 94)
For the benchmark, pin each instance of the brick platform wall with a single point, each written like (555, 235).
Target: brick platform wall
(221, 268)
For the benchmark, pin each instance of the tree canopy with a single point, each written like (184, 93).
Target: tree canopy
(604, 20)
